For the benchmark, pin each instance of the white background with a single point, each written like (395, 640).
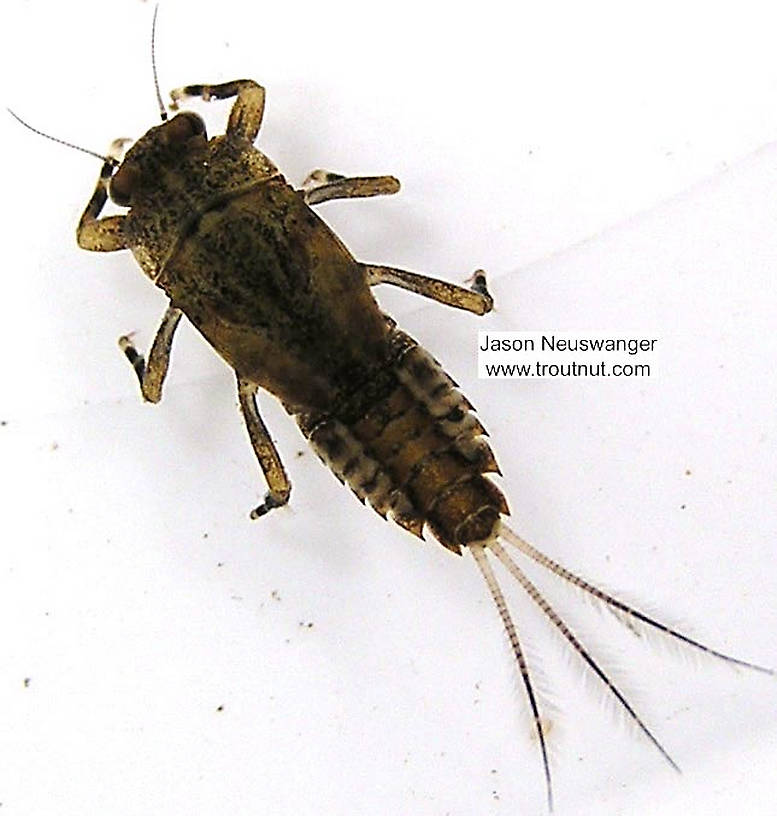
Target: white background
(613, 168)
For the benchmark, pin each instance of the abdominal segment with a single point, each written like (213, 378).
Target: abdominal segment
(413, 449)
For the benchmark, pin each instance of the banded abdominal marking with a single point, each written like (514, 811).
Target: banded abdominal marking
(411, 446)
(242, 255)
(413, 449)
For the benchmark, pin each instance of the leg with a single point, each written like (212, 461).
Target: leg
(264, 448)
(102, 234)
(476, 299)
(245, 117)
(321, 185)
(152, 375)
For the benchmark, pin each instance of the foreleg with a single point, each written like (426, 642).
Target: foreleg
(245, 118)
(322, 185)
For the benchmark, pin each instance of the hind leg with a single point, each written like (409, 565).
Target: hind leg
(264, 448)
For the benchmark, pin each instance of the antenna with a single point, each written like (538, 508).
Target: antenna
(162, 111)
(111, 160)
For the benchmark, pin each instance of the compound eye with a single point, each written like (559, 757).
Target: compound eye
(184, 126)
(122, 184)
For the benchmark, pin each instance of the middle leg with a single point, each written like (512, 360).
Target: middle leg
(476, 299)
(151, 374)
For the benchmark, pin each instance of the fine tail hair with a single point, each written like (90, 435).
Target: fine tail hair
(626, 613)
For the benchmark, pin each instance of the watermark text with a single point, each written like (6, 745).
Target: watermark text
(512, 355)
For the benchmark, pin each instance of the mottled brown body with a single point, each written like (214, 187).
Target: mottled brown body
(284, 302)
(243, 256)
(276, 293)
(279, 297)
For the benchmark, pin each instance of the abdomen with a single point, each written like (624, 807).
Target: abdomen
(413, 449)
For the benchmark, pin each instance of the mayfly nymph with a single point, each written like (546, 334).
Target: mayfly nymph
(243, 256)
